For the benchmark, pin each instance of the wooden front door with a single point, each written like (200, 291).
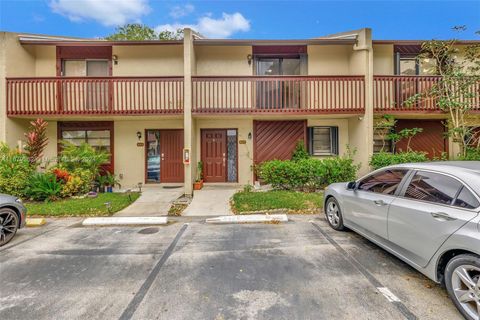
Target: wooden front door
(214, 155)
(171, 152)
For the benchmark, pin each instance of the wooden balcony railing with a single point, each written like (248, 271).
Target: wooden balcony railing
(94, 95)
(391, 94)
(279, 94)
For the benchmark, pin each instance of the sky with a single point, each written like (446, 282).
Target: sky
(411, 20)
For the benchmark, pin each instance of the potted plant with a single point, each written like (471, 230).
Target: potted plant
(111, 182)
(198, 184)
(102, 181)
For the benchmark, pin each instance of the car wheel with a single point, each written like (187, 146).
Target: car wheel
(8, 225)
(462, 279)
(334, 214)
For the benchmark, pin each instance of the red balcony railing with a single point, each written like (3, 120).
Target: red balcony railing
(279, 94)
(392, 93)
(94, 95)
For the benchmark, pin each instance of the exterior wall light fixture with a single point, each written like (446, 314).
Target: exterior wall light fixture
(249, 136)
(139, 135)
(249, 59)
(115, 59)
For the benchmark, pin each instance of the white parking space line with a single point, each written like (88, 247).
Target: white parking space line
(388, 294)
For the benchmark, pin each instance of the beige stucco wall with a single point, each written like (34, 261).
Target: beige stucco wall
(45, 61)
(15, 61)
(383, 59)
(328, 60)
(129, 158)
(151, 60)
(245, 151)
(342, 125)
(223, 60)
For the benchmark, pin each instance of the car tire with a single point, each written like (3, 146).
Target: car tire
(462, 279)
(333, 213)
(8, 225)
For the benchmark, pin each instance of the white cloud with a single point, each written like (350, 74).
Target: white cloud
(222, 27)
(106, 12)
(181, 11)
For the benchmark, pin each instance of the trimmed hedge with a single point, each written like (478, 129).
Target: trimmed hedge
(383, 159)
(307, 174)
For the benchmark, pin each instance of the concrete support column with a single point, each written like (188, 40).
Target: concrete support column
(361, 127)
(188, 123)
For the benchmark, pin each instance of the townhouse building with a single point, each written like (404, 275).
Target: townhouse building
(160, 107)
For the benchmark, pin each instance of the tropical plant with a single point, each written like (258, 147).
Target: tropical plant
(15, 170)
(300, 152)
(84, 157)
(75, 185)
(36, 140)
(112, 180)
(199, 171)
(43, 187)
(454, 91)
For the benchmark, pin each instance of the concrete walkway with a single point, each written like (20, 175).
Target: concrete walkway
(154, 201)
(212, 200)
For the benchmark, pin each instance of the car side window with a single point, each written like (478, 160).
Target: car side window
(466, 200)
(385, 182)
(433, 187)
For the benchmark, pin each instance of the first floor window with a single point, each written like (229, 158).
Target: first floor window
(99, 135)
(323, 141)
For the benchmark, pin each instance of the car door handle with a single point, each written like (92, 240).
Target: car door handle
(442, 216)
(379, 202)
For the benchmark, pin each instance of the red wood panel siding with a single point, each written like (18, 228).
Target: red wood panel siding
(277, 139)
(432, 140)
(89, 125)
(171, 151)
(214, 151)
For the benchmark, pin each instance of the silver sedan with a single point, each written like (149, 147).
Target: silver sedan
(427, 214)
(12, 217)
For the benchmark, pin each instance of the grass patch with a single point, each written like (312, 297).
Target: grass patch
(83, 207)
(270, 200)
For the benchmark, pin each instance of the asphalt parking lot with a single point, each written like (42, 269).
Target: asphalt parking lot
(191, 270)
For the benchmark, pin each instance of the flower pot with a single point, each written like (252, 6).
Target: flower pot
(109, 189)
(197, 185)
(101, 189)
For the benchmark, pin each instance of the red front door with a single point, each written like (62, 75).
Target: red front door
(214, 153)
(171, 152)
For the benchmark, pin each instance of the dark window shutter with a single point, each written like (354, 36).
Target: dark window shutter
(310, 140)
(334, 135)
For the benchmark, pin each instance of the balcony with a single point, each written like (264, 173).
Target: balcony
(278, 94)
(94, 96)
(391, 92)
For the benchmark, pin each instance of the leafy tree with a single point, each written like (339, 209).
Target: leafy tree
(136, 31)
(454, 91)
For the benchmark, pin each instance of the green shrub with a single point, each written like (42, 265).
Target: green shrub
(300, 151)
(15, 170)
(82, 160)
(307, 174)
(383, 159)
(43, 186)
(472, 154)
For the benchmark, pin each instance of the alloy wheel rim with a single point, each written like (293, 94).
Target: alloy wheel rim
(8, 226)
(333, 214)
(466, 287)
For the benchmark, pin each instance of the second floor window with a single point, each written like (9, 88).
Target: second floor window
(412, 66)
(85, 68)
(278, 66)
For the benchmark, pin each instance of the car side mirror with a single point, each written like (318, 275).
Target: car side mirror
(351, 185)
